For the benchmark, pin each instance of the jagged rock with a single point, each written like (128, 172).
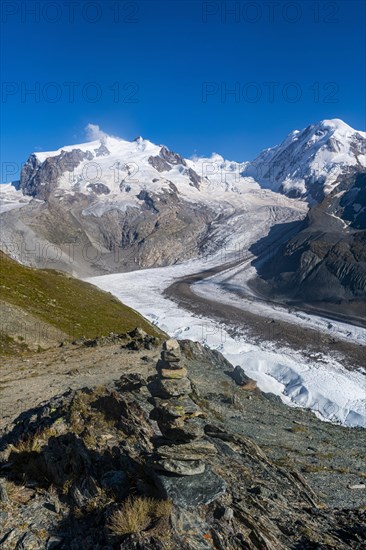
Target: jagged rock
(173, 373)
(39, 179)
(160, 164)
(82, 492)
(173, 388)
(227, 513)
(171, 157)
(196, 450)
(29, 541)
(219, 433)
(102, 151)
(137, 333)
(177, 407)
(191, 491)
(131, 382)
(65, 456)
(181, 467)
(195, 179)
(140, 340)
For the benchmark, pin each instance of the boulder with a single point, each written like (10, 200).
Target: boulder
(171, 351)
(190, 491)
(182, 430)
(242, 379)
(168, 365)
(138, 333)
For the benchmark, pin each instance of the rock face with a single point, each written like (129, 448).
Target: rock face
(179, 420)
(40, 179)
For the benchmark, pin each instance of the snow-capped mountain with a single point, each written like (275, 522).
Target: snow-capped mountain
(311, 162)
(135, 204)
(155, 207)
(308, 163)
(120, 173)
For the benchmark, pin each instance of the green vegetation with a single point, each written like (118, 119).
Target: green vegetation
(73, 307)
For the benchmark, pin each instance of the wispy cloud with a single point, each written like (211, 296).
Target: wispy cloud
(94, 132)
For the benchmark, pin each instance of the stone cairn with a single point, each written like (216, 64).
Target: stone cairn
(181, 452)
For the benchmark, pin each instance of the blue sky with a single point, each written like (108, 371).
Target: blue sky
(164, 70)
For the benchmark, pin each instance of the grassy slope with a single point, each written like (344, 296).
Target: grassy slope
(72, 306)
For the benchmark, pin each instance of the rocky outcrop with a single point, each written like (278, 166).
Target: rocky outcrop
(40, 179)
(194, 178)
(99, 188)
(171, 157)
(102, 151)
(159, 164)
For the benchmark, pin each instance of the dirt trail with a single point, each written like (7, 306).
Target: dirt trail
(25, 382)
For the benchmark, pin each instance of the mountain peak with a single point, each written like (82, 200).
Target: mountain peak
(334, 123)
(311, 162)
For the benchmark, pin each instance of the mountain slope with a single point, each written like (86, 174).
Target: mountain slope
(311, 162)
(44, 307)
(324, 265)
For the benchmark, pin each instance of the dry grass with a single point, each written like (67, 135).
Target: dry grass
(82, 415)
(137, 514)
(33, 443)
(18, 494)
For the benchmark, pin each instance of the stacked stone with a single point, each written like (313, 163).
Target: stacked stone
(179, 418)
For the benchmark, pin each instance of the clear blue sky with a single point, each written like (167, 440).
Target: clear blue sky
(162, 54)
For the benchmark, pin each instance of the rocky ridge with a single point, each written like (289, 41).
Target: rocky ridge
(324, 265)
(76, 466)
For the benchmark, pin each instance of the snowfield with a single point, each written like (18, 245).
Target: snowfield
(326, 387)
